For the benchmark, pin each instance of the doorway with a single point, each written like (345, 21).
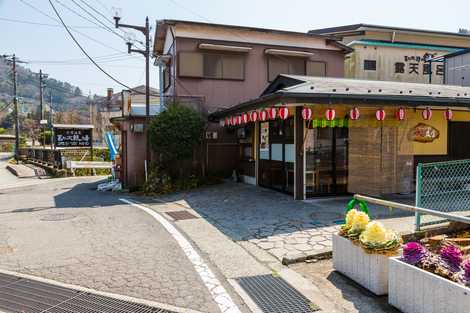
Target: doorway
(326, 161)
(277, 155)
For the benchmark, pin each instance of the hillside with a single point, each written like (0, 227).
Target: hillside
(65, 97)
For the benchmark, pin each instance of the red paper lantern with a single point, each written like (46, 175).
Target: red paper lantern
(272, 113)
(239, 120)
(330, 114)
(380, 115)
(233, 120)
(283, 112)
(263, 115)
(354, 113)
(400, 114)
(245, 118)
(427, 114)
(307, 113)
(254, 116)
(448, 114)
(227, 121)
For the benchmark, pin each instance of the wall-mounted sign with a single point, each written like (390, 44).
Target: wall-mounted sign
(423, 133)
(70, 137)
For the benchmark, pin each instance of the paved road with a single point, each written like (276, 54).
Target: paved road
(66, 231)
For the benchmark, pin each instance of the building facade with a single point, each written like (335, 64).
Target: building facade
(457, 66)
(396, 54)
(220, 66)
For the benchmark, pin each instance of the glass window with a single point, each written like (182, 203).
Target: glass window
(370, 65)
(166, 77)
(276, 152)
(289, 152)
(284, 65)
(316, 68)
(190, 64)
(206, 65)
(264, 141)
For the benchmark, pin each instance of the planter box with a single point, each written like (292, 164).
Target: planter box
(368, 270)
(413, 290)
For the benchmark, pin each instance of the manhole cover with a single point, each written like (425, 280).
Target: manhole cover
(57, 217)
(19, 294)
(181, 215)
(274, 295)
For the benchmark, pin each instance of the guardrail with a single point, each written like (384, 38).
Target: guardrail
(73, 165)
(411, 208)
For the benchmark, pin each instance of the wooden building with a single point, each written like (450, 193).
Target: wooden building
(314, 136)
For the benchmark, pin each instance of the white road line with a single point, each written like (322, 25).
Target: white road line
(218, 292)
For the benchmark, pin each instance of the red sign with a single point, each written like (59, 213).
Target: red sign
(263, 115)
(330, 114)
(272, 113)
(380, 115)
(448, 114)
(427, 114)
(354, 113)
(283, 112)
(307, 113)
(254, 116)
(245, 118)
(400, 114)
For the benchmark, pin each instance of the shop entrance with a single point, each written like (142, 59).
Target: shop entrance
(326, 161)
(277, 155)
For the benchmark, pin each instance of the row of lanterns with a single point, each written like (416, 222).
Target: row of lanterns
(330, 114)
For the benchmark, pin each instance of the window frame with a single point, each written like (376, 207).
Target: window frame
(240, 55)
(305, 61)
(167, 71)
(368, 61)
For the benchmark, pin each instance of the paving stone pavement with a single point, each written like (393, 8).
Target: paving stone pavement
(271, 220)
(68, 232)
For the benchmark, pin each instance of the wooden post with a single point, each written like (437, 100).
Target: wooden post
(299, 154)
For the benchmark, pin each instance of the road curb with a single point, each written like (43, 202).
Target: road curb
(321, 255)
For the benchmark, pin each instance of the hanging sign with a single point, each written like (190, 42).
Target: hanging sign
(330, 114)
(283, 113)
(448, 114)
(400, 114)
(263, 115)
(354, 113)
(380, 115)
(307, 113)
(272, 112)
(245, 118)
(254, 116)
(427, 114)
(423, 133)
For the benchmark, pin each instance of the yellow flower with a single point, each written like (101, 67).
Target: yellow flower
(359, 222)
(350, 217)
(374, 233)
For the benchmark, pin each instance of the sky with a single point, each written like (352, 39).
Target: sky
(49, 47)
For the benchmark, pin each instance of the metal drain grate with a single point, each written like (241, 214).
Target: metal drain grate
(29, 296)
(275, 295)
(181, 215)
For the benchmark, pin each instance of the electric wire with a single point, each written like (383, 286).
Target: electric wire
(88, 56)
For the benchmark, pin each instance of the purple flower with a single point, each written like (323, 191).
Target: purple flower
(452, 256)
(413, 253)
(466, 271)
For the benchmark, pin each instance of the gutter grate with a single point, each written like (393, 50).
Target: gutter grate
(275, 295)
(181, 215)
(23, 295)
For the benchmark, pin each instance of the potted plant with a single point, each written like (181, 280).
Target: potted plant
(423, 282)
(361, 250)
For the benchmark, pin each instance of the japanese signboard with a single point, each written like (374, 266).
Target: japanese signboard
(423, 133)
(72, 137)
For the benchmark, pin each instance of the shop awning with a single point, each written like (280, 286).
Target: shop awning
(209, 46)
(289, 53)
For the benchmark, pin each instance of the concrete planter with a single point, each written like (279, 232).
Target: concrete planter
(413, 290)
(369, 270)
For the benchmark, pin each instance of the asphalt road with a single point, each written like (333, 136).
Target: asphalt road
(67, 231)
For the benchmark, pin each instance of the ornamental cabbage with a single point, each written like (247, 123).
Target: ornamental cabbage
(349, 218)
(466, 271)
(452, 257)
(376, 237)
(414, 253)
(359, 224)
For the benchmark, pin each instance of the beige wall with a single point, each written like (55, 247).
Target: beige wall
(386, 57)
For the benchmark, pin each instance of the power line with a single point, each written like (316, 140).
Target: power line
(88, 56)
(40, 24)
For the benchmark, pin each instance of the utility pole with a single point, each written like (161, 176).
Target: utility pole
(146, 53)
(42, 76)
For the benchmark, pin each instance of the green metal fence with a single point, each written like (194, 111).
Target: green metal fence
(444, 187)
